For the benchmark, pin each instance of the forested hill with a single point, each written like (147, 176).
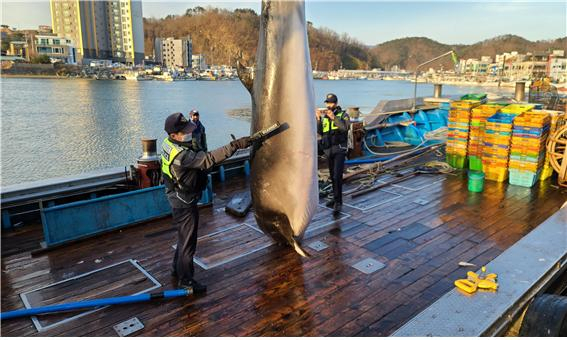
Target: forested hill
(224, 35)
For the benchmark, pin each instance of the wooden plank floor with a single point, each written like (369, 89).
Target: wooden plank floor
(420, 229)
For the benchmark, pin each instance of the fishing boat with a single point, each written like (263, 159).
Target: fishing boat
(379, 268)
(138, 76)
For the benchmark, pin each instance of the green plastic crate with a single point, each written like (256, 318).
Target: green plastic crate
(457, 161)
(474, 96)
(475, 163)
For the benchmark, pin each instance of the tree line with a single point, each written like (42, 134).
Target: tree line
(224, 36)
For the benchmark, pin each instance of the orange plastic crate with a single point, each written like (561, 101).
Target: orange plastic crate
(533, 117)
(520, 165)
(459, 114)
(491, 162)
(486, 109)
(498, 127)
(528, 142)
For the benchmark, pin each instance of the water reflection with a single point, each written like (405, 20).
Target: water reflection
(54, 127)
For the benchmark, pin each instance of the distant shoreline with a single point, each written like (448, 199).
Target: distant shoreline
(503, 85)
(38, 76)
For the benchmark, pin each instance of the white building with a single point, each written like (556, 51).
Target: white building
(173, 53)
(199, 62)
(557, 69)
(56, 48)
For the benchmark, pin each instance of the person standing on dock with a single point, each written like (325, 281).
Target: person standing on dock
(185, 177)
(332, 125)
(199, 135)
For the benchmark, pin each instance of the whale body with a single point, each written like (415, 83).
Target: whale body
(284, 185)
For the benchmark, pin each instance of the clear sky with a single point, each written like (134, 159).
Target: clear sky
(373, 22)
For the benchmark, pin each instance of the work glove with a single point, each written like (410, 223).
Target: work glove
(241, 143)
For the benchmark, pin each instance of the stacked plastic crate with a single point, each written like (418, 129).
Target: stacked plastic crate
(479, 115)
(528, 147)
(458, 132)
(496, 146)
(497, 141)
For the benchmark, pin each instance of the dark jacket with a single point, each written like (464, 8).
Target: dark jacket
(190, 168)
(335, 140)
(200, 137)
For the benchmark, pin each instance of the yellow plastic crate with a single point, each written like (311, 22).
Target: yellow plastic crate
(546, 172)
(498, 127)
(463, 114)
(514, 164)
(465, 104)
(459, 120)
(497, 174)
(494, 163)
(486, 109)
(496, 151)
(462, 152)
(496, 139)
(528, 142)
(517, 108)
(458, 134)
(533, 119)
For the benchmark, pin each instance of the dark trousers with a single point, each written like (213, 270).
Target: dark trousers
(336, 161)
(186, 220)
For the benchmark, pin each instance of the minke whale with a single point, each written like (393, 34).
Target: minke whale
(283, 184)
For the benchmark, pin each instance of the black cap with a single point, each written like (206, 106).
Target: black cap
(331, 98)
(176, 122)
(194, 112)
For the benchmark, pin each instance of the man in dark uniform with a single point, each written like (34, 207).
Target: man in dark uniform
(199, 135)
(185, 177)
(332, 125)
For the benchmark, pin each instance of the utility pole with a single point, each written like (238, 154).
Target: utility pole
(417, 68)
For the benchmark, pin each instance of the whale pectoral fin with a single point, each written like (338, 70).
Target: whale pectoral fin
(297, 247)
(245, 75)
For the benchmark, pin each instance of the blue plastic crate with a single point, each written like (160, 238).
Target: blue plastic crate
(502, 118)
(529, 131)
(500, 146)
(523, 178)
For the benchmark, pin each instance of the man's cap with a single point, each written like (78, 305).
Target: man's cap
(331, 98)
(194, 112)
(176, 122)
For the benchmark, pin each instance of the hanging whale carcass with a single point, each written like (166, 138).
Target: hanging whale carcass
(283, 168)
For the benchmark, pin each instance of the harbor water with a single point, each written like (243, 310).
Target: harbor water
(59, 127)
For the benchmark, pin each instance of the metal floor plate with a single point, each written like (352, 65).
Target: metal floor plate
(318, 245)
(248, 249)
(368, 265)
(26, 296)
(368, 201)
(128, 327)
(420, 201)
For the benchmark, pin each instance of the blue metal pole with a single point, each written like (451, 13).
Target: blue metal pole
(168, 294)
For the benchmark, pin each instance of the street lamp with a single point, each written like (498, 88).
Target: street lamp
(453, 56)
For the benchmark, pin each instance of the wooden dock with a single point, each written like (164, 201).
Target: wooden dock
(419, 229)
